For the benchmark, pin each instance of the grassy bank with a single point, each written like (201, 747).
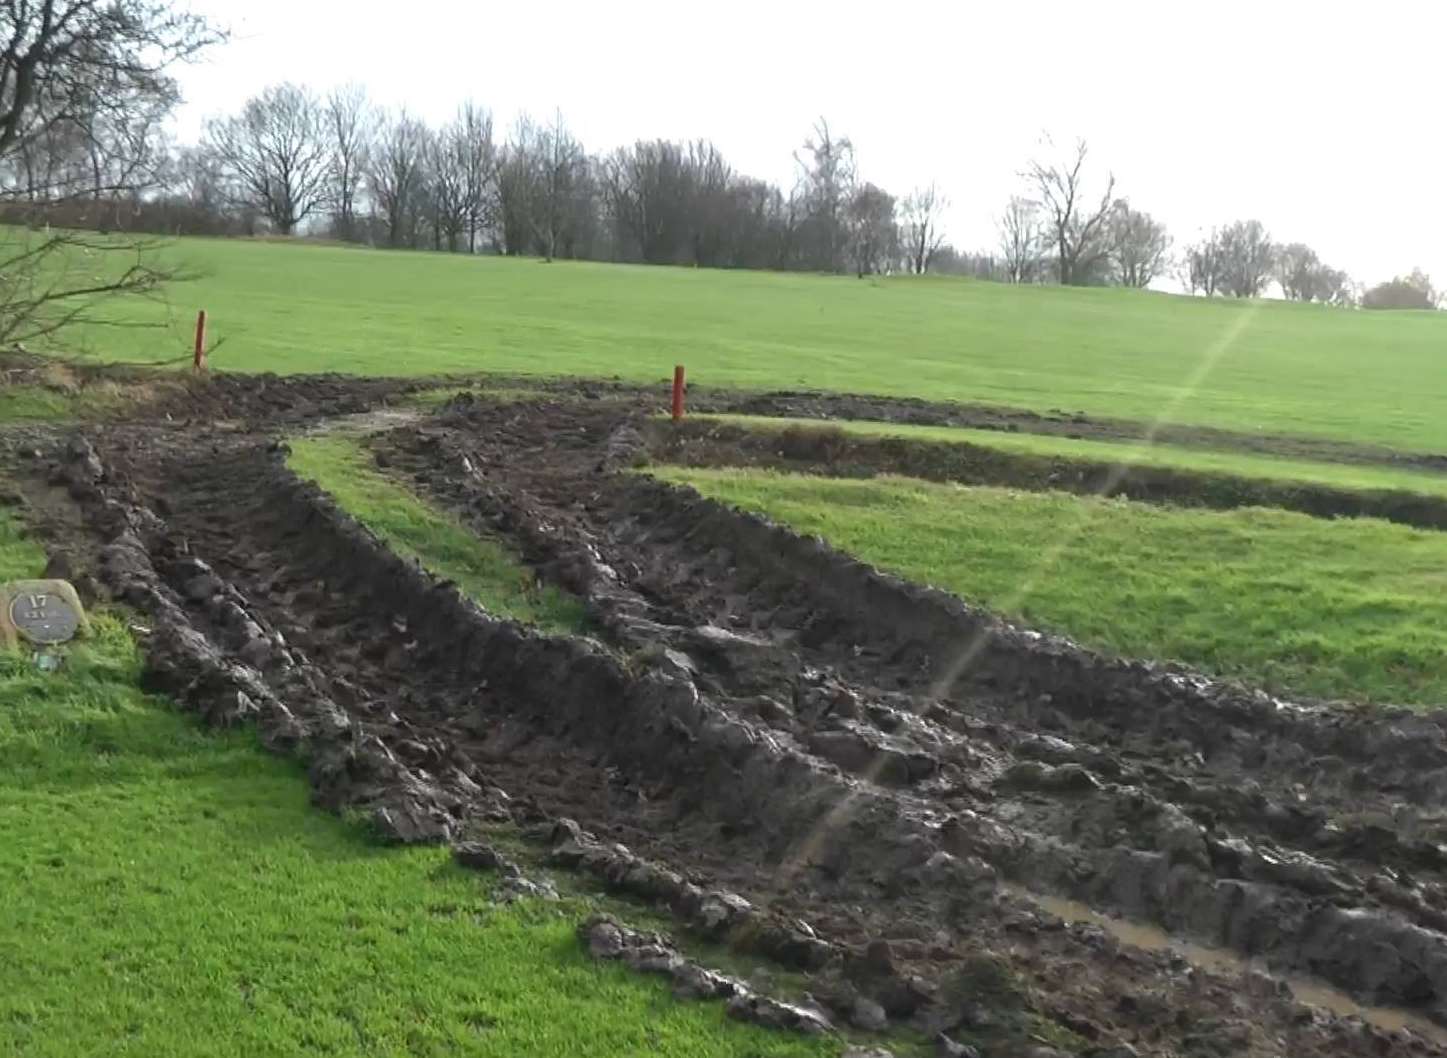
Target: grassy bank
(1244, 365)
(1129, 454)
(1351, 608)
(484, 568)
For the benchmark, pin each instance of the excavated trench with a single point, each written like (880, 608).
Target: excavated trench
(815, 761)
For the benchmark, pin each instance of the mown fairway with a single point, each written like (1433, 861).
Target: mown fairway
(1250, 366)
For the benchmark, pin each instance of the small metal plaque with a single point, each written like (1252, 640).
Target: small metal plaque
(44, 618)
(42, 612)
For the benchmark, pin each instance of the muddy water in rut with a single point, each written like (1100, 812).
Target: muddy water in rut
(1221, 961)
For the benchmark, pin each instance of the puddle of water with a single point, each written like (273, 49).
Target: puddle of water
(364, 422)
(1221, 961)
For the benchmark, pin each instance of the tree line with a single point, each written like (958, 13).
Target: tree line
(89, 150)
(292, 161)
(1059, 229)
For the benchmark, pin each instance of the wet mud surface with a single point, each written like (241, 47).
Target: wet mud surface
(791, 752)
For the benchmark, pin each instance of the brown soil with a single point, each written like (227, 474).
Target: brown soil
(864, 761)
(148, 395)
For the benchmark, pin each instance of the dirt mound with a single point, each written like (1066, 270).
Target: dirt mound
(796, 753)
(258, 399)
(125, 393)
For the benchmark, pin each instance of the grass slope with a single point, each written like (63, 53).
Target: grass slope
(1131, 453)
(1251, 366)
(483, 568)
(170, 892)
(1352, 608)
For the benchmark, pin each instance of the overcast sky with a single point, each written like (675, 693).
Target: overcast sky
(1327, 120)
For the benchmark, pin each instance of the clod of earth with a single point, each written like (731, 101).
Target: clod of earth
(652, 953)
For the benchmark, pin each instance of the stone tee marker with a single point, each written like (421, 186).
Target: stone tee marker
(43, 613)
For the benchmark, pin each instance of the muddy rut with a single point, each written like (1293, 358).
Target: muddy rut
(855, 776)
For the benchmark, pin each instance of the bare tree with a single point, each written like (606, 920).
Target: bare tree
(517, 177)
(648, 191)
(197, 196)
(512, 228)
(83, 86)
(1335, 287)
(1139, 246)
(873, 236)
(448, 191)
(827, 182)
(582, 233)
(472, 135)
(669, 202)
(757, 226)
(277, 148)
(197, 175)
(50, 280)
(1297, 266)
(115, 155)
(920, 226)
(1247, 258)
(711, 180)
(397, 175)
(349, 121)
(559, 161)
(63, 62)
(1022, 240)
(1202, 267)
(1077, 223)
(675, 203)
(1305, 277)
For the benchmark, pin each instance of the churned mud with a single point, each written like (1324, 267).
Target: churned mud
(867, 781)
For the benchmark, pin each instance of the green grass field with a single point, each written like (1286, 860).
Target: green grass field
(483, 568)
(1352, 608)
(1257, 366)
(170, 892)
(1131, 453)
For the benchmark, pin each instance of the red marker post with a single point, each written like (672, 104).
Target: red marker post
(201, 340)
(678, 393)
